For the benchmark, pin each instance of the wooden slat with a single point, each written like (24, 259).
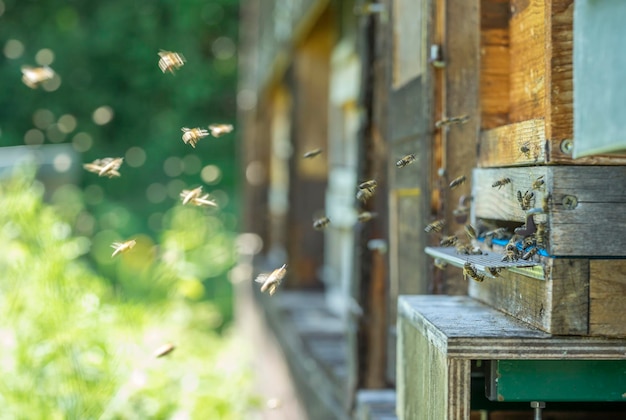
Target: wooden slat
(558, 305)
(527, 40)
(459, 388)
(506, 145)
(607, 298)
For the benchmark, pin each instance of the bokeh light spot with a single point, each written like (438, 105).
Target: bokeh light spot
(156, 192)
(221, 198)
(246, 99)
(42, 118)
(223, 48)
(54, 133)
(135, 157)
(67, 123)
(211, 174)
(62, 162)
(44, 57)
(255, 173)
(33, 137)
(13, 49)
(52, 84)
(174, 187)
(173, 166)
(103, 115)
(82, 142)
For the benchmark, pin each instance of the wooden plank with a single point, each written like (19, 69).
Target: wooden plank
(464, 328)
(607, 298)
(558, 305)
(527, 40)
(459, 388)
(517, 144)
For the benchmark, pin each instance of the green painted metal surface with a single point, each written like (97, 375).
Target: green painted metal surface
(561, 380)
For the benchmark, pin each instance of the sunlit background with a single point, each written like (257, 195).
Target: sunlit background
(77, 327)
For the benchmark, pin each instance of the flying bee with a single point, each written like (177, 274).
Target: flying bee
(541, 235)
(193, 135)
(497, 233)
(364, 195)
(494, 271)
(469, 271)
(470, 231)
(526, 199)
(105, 167)
(440, 264)
(321, 223)
(511, 253)
(34, 76)
(407, 160)
(501, 183)
(368, 185)
(312, 153)
(538, 183)
(435, 226)
(272, 280)
(528, 255)
(462, 119)
(218, 130)
(366, 216)
(170, 61)
(164, 350)
(194, 197)
(457, 181)
(449, 241)
(122, 246)
(188, 195)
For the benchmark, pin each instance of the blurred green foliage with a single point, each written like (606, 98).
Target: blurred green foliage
(76, 347)
(106, 55)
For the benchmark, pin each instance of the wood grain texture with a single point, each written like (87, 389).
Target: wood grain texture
(506, 145)
(459, 388)
(607, 298)
(558, 305)
(527, 40)
(595, 226)
(464, 328)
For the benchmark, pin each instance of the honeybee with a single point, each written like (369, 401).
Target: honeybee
(457, 181)
(440, 264)
(452, 120)
(470, 231)
(526, 199)
(528, 255)
(469, 270)
(501, 182)
(435, 226)
(368, 185)
(364, 195)
(321, 223)
(164, 350)
(105, 166)
(494, 271)
(496, 233)
(272, 280)
(467, 249)
(194, 197)
(170, 61)
(511, 253)
(407, 160)
(34, 76)
(449, 241)
(193, 135)
(312, 153)
(366, 216)
(538, 183)
(218, 130)
(122, 246)
(541, 235)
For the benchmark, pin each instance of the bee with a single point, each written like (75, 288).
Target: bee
(321, 223)
(457, 181)
(501, 183)
(105, 167)
(364, 195)
(194, 197)
(34, 76)
(461, 211)
(545, 203)
(435, 226)
(469, 270)
(164, 350)
(193, 135)
(463, 249)
(407, 160)
(511, 253)
(538, 183)
(218, 130)
(170, 61)
(541, 235)
(528, 255)
(526, 199)
(272, 280)
(440, 264)
(312, 153)
(366, 216)
(494, 271)
(470, 231)
(452, 120)
(122, 247)
(449, 241)
(496, 233)
(368, 185)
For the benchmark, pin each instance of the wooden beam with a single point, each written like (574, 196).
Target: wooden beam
(607, 298)
(517, 144)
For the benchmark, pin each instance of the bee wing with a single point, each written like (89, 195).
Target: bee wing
(261, 278)
(116, 244)
(92, 167)
(205, 201)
